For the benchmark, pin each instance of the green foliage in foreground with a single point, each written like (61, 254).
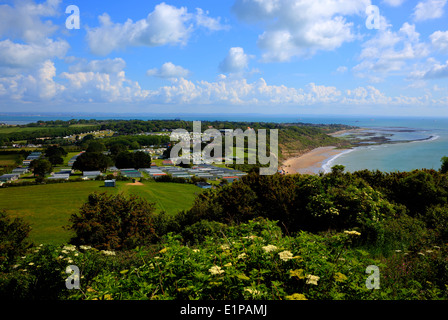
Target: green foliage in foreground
(264, 237)
(253, 260)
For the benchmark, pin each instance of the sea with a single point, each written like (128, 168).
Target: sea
(419, 142)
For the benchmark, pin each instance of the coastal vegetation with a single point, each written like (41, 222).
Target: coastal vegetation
(264, 237)
(275, 237)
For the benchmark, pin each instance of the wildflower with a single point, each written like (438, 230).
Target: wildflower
(228, 264)
(85, 247)
(225, 247)
(352, 233)
(269, 248)
(241, 256)
(312, 279)
(108, 253)
(298, 273)
(31, 263)
(339, 277)
(251, 237)
(296, 296)
(69, 248)
(215, 270)
(285, 255)
(252, 291)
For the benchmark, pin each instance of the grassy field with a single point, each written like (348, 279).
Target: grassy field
(11, 129)
(48, 207)
(8, 159)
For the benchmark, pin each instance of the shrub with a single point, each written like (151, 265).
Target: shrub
(13, 239)
(197, 232)
(113, 222)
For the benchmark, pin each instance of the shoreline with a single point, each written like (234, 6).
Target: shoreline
(321, 159)
(311, 162)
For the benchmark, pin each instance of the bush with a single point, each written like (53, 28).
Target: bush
(113, 222)
(197, 232)
(13, 239)
(250, 261)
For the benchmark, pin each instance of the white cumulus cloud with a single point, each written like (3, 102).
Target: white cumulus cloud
(390, 52)
(439, 40)
(300, 28)
(429, 9)
(166, 25)
(24, 20)
(17, 57)
(235, 61)
(168, 71)
(102, 66)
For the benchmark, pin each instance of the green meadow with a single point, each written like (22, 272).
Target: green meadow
(8, 159)
(48, 207)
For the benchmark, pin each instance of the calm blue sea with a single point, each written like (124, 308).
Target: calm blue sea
(391, 157)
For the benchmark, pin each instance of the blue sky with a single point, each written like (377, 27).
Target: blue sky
(226, 56)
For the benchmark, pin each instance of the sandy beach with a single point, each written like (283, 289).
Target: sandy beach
(311, 162)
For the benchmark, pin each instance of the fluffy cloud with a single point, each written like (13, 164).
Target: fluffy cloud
(389, 52)
(101, 87)
(429, 9)
(24, 20)
(432, 70)
(226, 91)
(101, 66)
(37, 86)
(18, 57)
(27, 28)
(168, 71)
(439, 40)
(101, 81)
(235, 61)
(300, 28)
(166, 25)
(213, 24)
(437, 72)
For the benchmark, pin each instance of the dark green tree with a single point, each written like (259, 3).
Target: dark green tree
(41, 167)
(124, 160)
(96, 146)
(13, 239)
(92, 161)
(116, 148)
(141, 160)
(113, 222)
(444, 167)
